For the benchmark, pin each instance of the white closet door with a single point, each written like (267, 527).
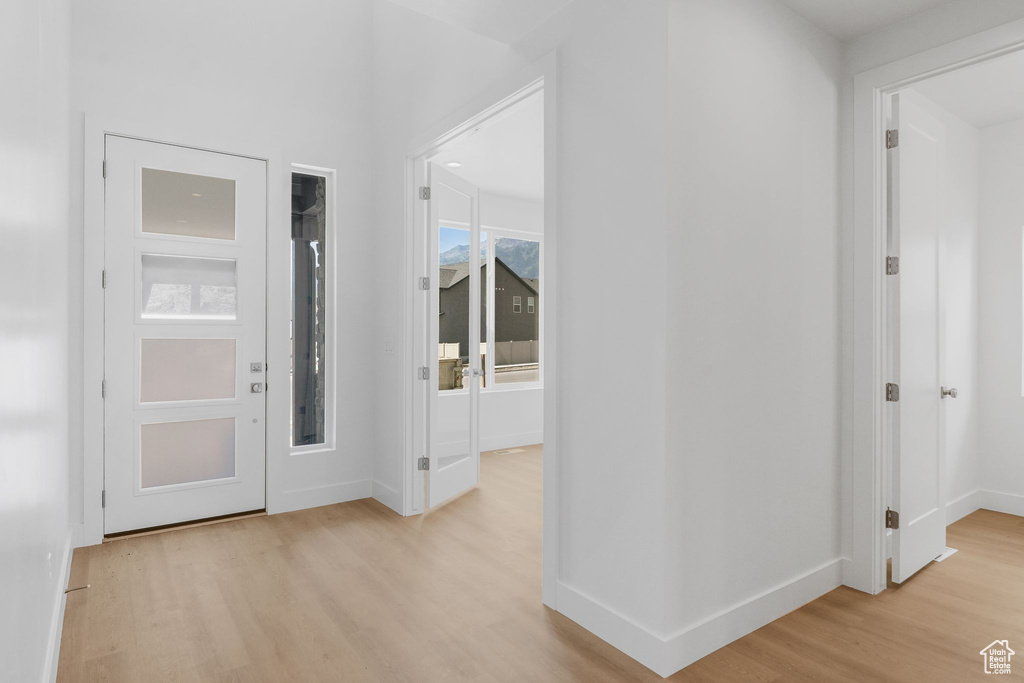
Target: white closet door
(917, 313)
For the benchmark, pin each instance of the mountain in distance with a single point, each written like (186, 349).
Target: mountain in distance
(457, 254)
(522, 256)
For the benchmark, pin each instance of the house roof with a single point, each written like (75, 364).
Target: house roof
(453, 273)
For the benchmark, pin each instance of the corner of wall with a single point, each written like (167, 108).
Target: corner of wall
(388, 496)
(57, 617)
(665, 655)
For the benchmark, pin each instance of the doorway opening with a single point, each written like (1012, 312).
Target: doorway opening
(482, 302)
(954, 233)
(485, 331)
(484, 299)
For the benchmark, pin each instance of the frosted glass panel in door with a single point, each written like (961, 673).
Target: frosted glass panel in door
(186, 369)
(187, 452)
(186, 204)
(185, 287)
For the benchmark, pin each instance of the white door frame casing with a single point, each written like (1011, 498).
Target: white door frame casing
(539, 76)
(96, 128)
(866, 570)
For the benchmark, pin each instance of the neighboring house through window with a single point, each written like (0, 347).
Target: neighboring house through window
(509, 335)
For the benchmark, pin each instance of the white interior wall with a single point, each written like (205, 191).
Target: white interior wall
(513, 213)
(753, 249)
(35, 537)
(1002, 221)
(294, 77)
(943, 24)
(456, 66)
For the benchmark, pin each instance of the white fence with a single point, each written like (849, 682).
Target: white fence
(505, 353)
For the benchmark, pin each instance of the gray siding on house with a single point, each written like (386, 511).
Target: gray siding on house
(508, 325)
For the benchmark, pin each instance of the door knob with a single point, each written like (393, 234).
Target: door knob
(948, 393)
(256, 388)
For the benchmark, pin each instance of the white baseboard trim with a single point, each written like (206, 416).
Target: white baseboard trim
(732, 623)
(618, 630)
(1009, 503)
(667, 655)
(960, 507)
(57, 619)
(330, 494)
(386, 495)
(495, 443)
(982, 499)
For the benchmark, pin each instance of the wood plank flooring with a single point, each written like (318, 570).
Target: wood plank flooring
(353, 592)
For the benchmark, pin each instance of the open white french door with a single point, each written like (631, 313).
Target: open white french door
(917, 335)
(185, 334)
(456, 369)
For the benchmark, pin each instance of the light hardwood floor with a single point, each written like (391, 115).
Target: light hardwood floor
(354, 592)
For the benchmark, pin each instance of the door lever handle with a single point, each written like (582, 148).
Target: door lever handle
(948, 393)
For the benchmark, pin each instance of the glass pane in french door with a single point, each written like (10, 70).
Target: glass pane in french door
(454, 319)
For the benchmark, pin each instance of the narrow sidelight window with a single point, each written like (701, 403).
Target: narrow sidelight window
(309, 309)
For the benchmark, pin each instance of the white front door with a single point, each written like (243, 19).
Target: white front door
(185, 334)
(454, 339)
(917, 333)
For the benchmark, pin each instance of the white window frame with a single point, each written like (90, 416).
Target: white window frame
(531, 305)
(330, 317)
(517, 303)
(493, 234)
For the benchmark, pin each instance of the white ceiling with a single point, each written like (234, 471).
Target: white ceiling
(506, 155)
(503, 20)
(847, 19)
(982, 95)
(509, 20)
